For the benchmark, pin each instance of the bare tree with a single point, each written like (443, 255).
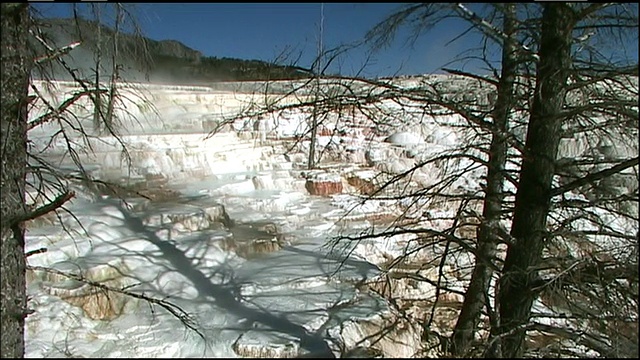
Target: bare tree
(488, 239)
(538, 221)
(601, 97)
(16, 67)
(25, 171)
(532, 199)
(488, 234)
(314, 117)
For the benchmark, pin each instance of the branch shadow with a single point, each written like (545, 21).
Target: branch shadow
(251, 292)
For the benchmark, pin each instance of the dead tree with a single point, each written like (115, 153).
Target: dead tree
(16, 67)
(25, 171)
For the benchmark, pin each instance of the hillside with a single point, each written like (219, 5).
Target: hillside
(144, 59)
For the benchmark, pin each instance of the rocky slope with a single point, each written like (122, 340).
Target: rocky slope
(145, 59)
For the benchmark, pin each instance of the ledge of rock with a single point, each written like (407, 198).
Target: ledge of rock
(253, 344)
(251, 248)
(387, 334)
(180, 218)
(323, 187)
(323, 184)
(97, 303)
(252, 239)
(404, 138)
(363, 186)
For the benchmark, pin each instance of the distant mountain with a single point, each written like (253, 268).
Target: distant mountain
(144, 59)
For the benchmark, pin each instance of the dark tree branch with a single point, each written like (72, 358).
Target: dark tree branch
(595, 177)
(45, 209)
(473, 76)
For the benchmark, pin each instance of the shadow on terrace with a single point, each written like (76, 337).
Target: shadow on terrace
(291, 295)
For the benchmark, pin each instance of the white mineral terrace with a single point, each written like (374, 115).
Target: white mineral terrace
(235, 231)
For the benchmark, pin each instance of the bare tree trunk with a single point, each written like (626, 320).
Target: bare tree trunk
(311, 163)
(474, 299)
(114, 70)
(97, 118)
(314, 121)
(516, 294)
(16, 69)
